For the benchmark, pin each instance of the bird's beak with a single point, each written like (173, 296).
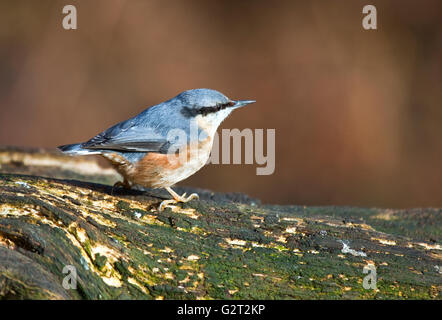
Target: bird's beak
(242, 103)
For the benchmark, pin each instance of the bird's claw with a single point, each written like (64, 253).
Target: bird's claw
(191, 197)
(119, 184)
(182, 198)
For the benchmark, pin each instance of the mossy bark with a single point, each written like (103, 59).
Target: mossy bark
(225, 246)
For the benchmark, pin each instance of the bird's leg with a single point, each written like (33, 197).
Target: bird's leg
(176, 198)
(121, 184)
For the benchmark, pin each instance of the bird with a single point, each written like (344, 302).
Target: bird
(165, 143)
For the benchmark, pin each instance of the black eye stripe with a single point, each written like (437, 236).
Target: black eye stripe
(221, 106)
(189, 112)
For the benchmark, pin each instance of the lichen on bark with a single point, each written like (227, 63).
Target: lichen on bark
(225, 246)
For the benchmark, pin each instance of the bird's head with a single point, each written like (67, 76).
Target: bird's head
(208, 106)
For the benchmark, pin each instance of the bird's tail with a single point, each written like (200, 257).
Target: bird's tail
(76, 149)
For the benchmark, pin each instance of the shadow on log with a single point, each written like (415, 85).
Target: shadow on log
(57, 232)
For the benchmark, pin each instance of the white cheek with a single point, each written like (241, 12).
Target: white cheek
(218, 117)
(210, 122)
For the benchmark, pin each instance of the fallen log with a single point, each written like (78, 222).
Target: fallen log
(62, 238)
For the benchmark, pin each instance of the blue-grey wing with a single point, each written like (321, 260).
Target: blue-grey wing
(147, 132)
(130, 136)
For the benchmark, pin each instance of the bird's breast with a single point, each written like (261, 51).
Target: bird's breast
(157, 170)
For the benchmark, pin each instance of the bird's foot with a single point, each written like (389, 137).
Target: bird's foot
(176, 199)
(120, 184)
(183, 198)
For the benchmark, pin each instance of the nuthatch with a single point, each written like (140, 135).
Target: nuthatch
(141, 148)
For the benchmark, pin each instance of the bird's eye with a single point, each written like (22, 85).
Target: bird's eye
(230, 104)
(225, 105)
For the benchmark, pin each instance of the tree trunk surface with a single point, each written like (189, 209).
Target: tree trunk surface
(65, 234)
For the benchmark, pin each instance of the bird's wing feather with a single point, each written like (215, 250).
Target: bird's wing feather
(130, 137)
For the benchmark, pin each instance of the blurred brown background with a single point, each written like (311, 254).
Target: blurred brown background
(357, 113)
